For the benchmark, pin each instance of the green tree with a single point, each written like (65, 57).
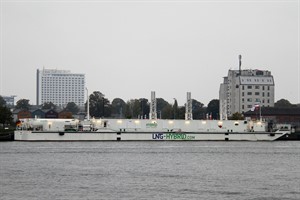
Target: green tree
(23, 104)
(145, 107)
(167, 112)
(163, 109)
(133, 109)
(72, 107)
(99, 105)
(213, 108)
(5, 116)
(198, 110)
(236, 116)
(48, 105)
(283, 103)
(118, 108)
(181, 112)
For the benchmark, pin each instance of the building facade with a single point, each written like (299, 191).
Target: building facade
(59, 87)
(243, 89)
(10, 100)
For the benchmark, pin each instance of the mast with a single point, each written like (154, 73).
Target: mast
(188, 107)
(153, 114)
(88, 105)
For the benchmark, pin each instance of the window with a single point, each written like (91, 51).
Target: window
(256, 93)
(249, 87)
(257, 87)
(249, 93)
(263, 87)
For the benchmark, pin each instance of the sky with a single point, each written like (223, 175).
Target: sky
(126, 49)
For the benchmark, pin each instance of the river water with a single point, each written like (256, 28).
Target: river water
(150, 170)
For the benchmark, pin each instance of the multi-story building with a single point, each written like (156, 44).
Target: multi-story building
(10, 100)
(243, 89)
(59, 87)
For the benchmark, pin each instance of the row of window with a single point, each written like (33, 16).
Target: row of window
(255, 100)
(256, 94)
(269, 80)
(59, 102)
(250, 106)
(256, 87)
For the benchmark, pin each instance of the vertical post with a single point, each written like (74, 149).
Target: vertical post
(153, 113)
(188, 107)
(88, 105)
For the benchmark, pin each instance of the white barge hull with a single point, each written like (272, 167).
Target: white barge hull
(134, 136)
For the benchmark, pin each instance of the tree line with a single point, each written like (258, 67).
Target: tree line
(101, 107)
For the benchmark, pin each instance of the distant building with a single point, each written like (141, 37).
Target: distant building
(10, 100)
(277, 115)
(243, 89)
(59, 87)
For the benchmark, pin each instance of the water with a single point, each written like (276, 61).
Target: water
(150, 170)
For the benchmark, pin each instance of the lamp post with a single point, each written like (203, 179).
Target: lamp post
(88, 104)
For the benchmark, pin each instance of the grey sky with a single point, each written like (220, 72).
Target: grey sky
(129, 48)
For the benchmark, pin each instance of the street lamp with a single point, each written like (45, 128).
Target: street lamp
(88, 104)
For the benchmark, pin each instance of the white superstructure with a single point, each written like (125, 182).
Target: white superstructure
(60, 87)
(145, 129)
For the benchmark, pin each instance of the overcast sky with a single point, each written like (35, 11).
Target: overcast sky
(127, 49)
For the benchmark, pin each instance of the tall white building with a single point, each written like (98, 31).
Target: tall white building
(59, 87)
(242, 89)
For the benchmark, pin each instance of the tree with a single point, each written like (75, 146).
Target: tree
(23, 104)
(181, 112)
(175, 109)
(99, 105)
(198, 110)
(2, 101)
(163, 109)
(145, 107)
(213, 108)
(72, 107)
(118, 108)
(133, 109)
(283, 103)
(5, 116)
(236, 116)
(48, 105)
(167, 112)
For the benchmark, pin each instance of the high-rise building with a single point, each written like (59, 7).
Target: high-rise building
(241, 90)
(59, 87)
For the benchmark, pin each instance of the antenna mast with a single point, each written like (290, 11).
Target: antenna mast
(188, 107)
(153, 114)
